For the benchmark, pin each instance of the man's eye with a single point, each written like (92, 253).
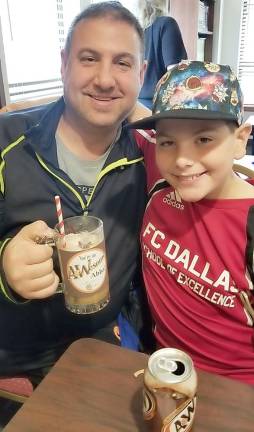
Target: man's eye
(124, 64)
(87, 59)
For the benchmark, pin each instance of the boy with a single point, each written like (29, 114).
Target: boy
(198, 230)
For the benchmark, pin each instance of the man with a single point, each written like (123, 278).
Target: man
(75, 148)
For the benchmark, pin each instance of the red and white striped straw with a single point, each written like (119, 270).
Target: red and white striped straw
(59, 214)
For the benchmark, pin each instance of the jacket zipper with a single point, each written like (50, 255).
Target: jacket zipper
(104, 171)
(2, 160)
(77, 195)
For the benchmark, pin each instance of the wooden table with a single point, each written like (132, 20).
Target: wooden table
(92, 389)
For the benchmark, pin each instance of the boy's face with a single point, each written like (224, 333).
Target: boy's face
(196, 156)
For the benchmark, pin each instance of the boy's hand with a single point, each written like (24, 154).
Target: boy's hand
(28, 266)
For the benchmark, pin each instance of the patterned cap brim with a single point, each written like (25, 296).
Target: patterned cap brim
(195, 114)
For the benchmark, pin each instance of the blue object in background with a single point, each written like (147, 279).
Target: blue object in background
(129, 338)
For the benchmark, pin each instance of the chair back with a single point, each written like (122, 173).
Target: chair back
(16, 388)
(243, 170)
(19, 388)
(21, 105)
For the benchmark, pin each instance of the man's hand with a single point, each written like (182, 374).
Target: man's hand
(28, 266)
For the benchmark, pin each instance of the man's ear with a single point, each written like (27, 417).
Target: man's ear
(241, 139)
(142, 72)
(63, 63)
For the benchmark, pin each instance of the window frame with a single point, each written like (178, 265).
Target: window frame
(242, 67)
(5, 93)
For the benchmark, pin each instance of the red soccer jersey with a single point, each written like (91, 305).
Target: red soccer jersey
(194, 264)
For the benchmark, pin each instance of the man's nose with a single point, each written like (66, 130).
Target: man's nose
(104, 77)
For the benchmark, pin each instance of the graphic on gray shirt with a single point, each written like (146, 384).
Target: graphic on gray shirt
(84, 173)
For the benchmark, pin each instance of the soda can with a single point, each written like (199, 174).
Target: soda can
(169, 394)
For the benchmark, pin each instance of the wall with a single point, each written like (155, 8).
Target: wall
(84, 3)
(181, 10)
(227, 31)
(227, 20)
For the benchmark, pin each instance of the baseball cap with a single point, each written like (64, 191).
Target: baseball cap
(196, 90)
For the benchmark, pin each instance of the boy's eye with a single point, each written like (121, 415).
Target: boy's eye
(204, 140)
(167, 143)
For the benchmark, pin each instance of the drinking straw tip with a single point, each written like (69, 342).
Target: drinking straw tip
(59, 214)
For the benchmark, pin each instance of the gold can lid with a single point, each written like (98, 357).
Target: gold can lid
(170, 365)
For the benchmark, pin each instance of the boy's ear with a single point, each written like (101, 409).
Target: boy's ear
(241, 136)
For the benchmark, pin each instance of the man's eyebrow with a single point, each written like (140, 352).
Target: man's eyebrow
(87, 51)
(116, 55)
(125, 54)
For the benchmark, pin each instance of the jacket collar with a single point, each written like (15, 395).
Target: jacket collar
(41, 136)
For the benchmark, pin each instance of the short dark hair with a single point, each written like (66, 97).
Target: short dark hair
(112, 9)
(232, 125)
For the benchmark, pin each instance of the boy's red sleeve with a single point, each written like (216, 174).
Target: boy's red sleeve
(146, 141)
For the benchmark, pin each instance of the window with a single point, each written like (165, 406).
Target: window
(33, 33)
(132, 5)
(246, 54)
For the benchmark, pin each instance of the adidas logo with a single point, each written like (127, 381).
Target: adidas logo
(174, 200)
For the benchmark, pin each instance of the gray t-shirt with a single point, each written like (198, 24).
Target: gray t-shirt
(84, 173)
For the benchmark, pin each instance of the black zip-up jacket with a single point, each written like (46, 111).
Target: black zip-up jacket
(33, 332)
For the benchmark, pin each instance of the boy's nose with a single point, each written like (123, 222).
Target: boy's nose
(183, 161)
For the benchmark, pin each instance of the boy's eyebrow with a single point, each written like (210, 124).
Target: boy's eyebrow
(160, 135)
(163, 135)
(206, 129)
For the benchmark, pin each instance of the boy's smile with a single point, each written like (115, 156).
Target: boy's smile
(189, 178)
(196, 156)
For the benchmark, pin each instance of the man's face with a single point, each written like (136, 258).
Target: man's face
(196, 156)
(103, 72)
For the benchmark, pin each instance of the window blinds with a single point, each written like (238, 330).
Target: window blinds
(246, 52)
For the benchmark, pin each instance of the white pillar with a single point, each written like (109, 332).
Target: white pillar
(4, 87)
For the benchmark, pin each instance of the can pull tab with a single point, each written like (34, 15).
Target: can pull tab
(167, 365)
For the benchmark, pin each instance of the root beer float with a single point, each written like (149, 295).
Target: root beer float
(83, 264)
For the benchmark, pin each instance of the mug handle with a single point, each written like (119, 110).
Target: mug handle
(50, 241)
(43, 240)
